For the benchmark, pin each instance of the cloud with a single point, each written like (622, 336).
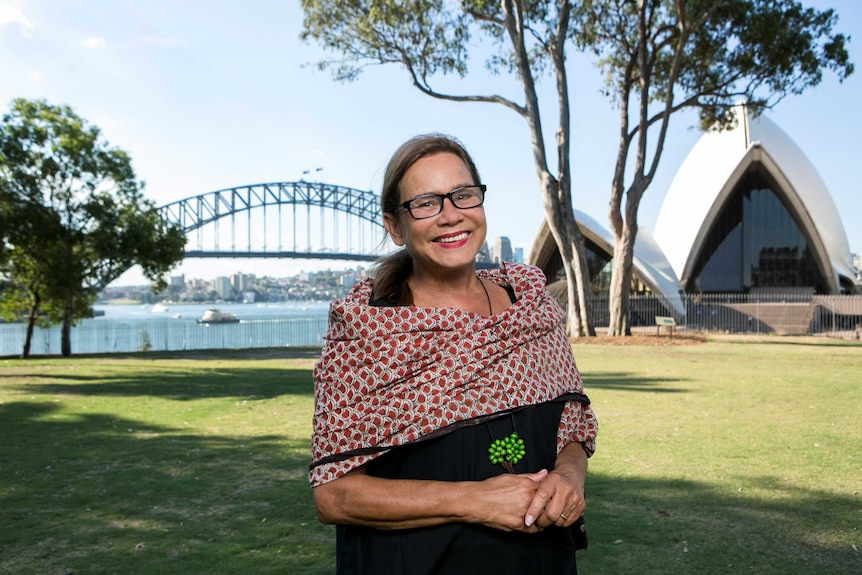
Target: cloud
(10, 13)
(94, 42)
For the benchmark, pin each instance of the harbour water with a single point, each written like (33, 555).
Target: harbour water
(175, 327)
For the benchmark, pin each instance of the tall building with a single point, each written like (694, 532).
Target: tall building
(241, 282)
(502, 250)
(484, 255)
(518, 255)
(222, 287)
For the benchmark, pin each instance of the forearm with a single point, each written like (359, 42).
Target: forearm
(360, 499)
(572, 461)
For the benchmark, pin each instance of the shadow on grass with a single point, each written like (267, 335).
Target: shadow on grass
(248, 383)
(101, 493)
(686, 527)
(628, 382)
(87, 495)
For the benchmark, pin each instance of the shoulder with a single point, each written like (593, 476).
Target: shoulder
(519, 276)
(525, 271)
(359, 294)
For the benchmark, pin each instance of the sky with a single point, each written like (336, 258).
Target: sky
(212, 94)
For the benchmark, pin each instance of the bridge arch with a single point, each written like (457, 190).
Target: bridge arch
(347, 225)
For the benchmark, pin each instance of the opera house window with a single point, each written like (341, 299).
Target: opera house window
(755, 243)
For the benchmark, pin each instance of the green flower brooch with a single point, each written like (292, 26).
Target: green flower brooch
(507, 452)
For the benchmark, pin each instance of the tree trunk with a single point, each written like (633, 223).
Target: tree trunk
(574, 258)
(31, 324)
(575, 324)
(583, 297)
(66, 335)
(621, 283)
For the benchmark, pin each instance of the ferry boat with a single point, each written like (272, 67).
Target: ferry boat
(215, 315)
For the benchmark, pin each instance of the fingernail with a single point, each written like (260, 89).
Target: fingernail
(529, 520)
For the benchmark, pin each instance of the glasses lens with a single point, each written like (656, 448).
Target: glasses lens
(425, 206)
(468, 197)
(429, 205)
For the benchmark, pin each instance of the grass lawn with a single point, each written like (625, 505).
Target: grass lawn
(732, 456)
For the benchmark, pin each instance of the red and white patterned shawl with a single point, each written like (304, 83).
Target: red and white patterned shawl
(389, 376)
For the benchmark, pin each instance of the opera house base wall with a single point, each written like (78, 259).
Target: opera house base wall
(765, 313)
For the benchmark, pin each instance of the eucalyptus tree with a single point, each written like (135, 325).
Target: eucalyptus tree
(81, 217)
(659, 56)
(430, 38)
(29, 244)
(663, 56)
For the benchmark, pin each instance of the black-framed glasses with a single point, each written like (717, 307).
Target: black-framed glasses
(429, 205)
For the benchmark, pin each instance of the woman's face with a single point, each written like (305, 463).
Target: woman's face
(451, 239)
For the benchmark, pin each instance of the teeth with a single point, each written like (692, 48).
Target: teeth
(452, 239)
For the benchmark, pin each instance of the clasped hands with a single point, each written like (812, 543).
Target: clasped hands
(531, 502)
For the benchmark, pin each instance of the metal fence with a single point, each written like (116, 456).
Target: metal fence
(776, 314)
(761, 313)
(168, 334)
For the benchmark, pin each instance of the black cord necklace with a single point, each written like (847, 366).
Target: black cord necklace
(487, 297)
(510, 450)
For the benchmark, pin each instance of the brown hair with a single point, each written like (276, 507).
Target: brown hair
(391, 272)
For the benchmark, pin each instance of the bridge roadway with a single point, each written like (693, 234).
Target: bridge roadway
(348, 226)
(282, 254)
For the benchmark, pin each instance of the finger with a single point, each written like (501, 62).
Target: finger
(537, 505)
(563, 519)
(538, 477)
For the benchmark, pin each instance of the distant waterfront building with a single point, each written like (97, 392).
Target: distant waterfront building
(484, 255)
(178, 282)
(241, 282)
(347, 279)
(222, 287)
(502, 250)
(518, 255)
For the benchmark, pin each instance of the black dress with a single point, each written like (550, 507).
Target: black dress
(461, 548)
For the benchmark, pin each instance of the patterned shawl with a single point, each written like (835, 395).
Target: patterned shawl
(389, 376)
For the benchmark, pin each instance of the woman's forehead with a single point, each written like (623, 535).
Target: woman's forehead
(437, 173)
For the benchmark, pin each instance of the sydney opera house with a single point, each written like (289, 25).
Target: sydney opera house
(747, 213)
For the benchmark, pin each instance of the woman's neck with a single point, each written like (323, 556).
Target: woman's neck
(463, 290)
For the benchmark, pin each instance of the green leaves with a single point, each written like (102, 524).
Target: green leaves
(711, 55)
(426, 36)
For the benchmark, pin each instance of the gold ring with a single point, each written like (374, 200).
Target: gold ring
(563, 517)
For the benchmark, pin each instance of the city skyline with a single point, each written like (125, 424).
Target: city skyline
(509, 253)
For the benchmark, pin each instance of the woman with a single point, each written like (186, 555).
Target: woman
(450, 431)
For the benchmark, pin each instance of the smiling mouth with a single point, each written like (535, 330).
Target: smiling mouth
(452, 239)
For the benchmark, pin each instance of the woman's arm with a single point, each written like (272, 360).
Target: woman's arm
(559, 500)
(360, 499)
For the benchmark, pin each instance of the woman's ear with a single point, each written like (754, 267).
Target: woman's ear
(393, 228)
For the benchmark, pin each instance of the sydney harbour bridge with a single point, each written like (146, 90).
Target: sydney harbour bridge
(301, 220)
